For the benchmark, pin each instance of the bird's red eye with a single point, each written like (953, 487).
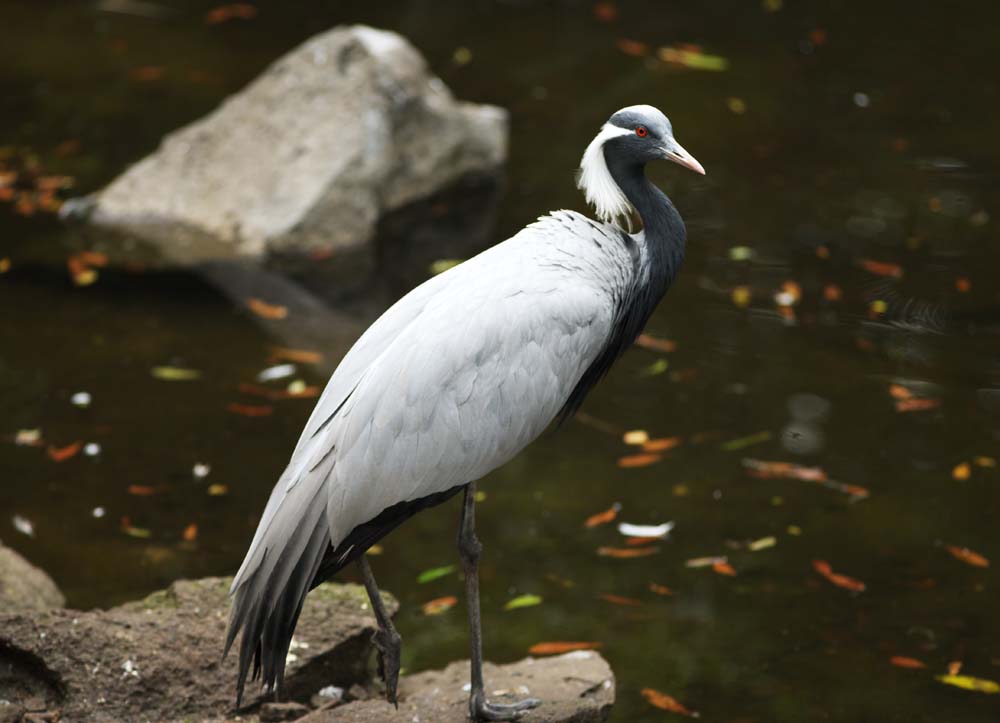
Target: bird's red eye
(641, 131)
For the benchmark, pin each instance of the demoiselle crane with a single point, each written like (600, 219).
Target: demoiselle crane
(450, 383)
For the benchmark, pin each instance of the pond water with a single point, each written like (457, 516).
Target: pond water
(837, 311)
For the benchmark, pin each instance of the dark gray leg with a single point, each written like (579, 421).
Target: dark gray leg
(469, 549)
(386, 639)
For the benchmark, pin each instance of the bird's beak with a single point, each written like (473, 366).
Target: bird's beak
(675, 152)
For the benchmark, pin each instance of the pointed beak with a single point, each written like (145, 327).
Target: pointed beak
(675, 152)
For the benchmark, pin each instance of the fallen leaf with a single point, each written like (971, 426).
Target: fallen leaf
(558, 648)
(61, 454)
(743, 442)
(141, 490)
(621, 600)
(190, 533)
(690, 56)
(602, 518)
(661, 444)
(147, 73)
(917, 405)
(265, 310)
(898, 391)
(434, 573)
(967, 556)
(985, 461)
(741, 296)
(248, 410)
(523, 601)
(763, 543)
(788, 470)
(175, 374)
(848, 583)
(665, 702)
(439, 605)
(696, 562)
(881, 268)
(832, 292)
(139, 532)
(632, 47)
(901, 661)
(967, 682)
(660, 589)
(28, 438)
(626, 552)
(654, 343)
(638, 460)
(605, 12)
(963, 285)
(222, 13)
(955, 667)
(217, 490)
(302, 356)
(961, 471)
(723, 568)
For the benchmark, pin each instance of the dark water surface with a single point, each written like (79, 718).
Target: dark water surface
(868, 134)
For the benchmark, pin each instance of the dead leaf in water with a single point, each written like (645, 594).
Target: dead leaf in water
(967, 556)
(302, 356)
(233, 11)
(621, 600)
(901, 661)
(848, 583)
(439, 605)
(249, 410)
(665, 702)
(602, 518)
(967, 682)
(660, 589)
(190, 533)
(654, 343)
(61, 454)
(961, 471)
(638, 460)
(265, 310)
(623, 553)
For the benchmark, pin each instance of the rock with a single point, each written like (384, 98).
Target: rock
(343, 128)
(577, 687)
(160, 658)
(24, 587)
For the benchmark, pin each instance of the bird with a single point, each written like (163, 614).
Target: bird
(450, 383)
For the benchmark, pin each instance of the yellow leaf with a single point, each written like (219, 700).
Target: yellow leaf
(967, 682)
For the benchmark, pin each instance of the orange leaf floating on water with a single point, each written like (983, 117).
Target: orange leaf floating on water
(660, 589)
(639, 541)
(147, 73)
(848, 583)
(832, 292)
(249, 410)
(961, 471)
(559, 647)
(722, 567)
(602, 518)
(881, 268)
(661, 444)
(917, 405)
(439, 605)
(605, 12)
(901, 661)
(242, 11)
(648, 341)
(767, 470)
(141, 490)
(302, 356)
(132, 531)
(632, 47)
(623, 553)
(982, 461)
(898, 391)
(665, 702)
(967, 556)
(190, 533)
(963, 285)
(638, 460)
(955, 667)
(61, 454)
(620, 600)
(265, 310)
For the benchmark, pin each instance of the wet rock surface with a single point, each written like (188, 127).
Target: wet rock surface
(160, 658)
(345, 127)
(25, 587)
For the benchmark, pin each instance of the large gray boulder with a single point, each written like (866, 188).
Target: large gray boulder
(345, 127)
(23, 586)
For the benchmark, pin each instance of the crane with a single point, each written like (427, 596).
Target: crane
(451, 382)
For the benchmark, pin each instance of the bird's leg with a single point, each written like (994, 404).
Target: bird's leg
(469, 549)
(386, 639)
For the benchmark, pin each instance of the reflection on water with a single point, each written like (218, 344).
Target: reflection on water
(837, 312)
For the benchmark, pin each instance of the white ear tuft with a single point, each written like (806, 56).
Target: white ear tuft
(595, 179)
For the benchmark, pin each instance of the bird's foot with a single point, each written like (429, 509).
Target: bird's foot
(389, 644)
(481, 709)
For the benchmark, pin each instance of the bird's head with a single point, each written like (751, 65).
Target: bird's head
(631, 138)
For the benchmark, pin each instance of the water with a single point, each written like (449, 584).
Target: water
(867, 135)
